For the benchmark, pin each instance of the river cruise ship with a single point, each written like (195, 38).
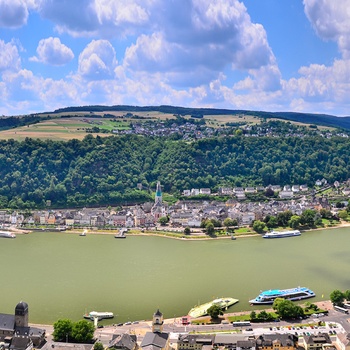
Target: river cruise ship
(282, 234)
(269, 296)
(99, 315)
(202, 310)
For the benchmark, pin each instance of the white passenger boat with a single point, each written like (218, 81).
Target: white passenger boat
(7, 234)
(282, 234)
(269, 296)
(99, 315)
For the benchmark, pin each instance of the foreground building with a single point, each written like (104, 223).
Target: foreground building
(16, 332)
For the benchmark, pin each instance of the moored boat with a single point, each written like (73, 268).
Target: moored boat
(99, 315)
(83, 233)
(7, 234)
(269, 296)
(202, 310)
(282, 234)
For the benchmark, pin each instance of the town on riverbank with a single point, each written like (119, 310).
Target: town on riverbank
(196, 217)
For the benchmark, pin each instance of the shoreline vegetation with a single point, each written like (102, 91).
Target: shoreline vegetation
(196, 234)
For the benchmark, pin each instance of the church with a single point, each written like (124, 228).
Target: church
(16, 332)
(157, 339)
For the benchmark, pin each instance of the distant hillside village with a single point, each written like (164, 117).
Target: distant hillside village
(188, 212)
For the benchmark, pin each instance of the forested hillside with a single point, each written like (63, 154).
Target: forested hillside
(106, 171)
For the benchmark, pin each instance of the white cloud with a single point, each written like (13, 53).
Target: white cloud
(103, 18)
(331, 21)
(9, 57)
(194, 47)
(52, 51)
(98, 60)
(13, 14)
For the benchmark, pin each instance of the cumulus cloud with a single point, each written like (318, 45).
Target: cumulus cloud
(13, 14)
(98, 60)
(196, 40)
(331, 21)
(52, 51)
(9, 57)
(106, 18)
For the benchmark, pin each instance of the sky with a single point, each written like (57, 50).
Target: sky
(266, 55)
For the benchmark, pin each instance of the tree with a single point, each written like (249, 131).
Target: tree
(294, 221)
(98, 346)
(83, 331)
(229, 222)
(286, 309)
(62, 330)
(343, 214)
(337, 297)
(347, 295)
(308, 217)
(163, 220)
(214, 311)
(269, 192)
(258, 226)
(252, 316)
(209, 228)
(187, 231)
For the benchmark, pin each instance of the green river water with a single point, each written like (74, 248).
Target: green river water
(63, 275)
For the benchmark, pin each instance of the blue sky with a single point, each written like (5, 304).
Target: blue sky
(272, 55)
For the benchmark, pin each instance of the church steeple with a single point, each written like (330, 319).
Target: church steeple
(157, 322)
(158, 200)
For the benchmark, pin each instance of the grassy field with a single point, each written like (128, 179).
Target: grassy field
(63, 129)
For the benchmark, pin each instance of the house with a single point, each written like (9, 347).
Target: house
(275, 188)
(304, 188)
(277, 341)
(51, 219)
(286, 194)
(318, 183)
(346, 191)
(186, 193)
(225, 190)
(194, 192)
(247, 218)
(233, 341)
(205, 191)
(238, 190)
(240, 195)
(123, 342)
(296, 188)
(194, 341)
(317, 341)
(250, 190)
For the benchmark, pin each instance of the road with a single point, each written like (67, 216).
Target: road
(335, 321)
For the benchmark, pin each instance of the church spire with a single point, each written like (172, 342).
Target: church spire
(158, 197)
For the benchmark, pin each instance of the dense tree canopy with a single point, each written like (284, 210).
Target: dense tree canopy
(106, 171)
(286, 309)
(79, 332)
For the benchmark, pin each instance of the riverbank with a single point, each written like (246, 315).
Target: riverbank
(196, 234)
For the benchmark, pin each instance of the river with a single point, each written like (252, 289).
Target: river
(63, 275)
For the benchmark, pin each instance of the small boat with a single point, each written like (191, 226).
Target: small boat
(282, 234)
(202, 310)
(83, 233)
(121, 233)
(99, 315)
(269, 296)
(7, 234)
